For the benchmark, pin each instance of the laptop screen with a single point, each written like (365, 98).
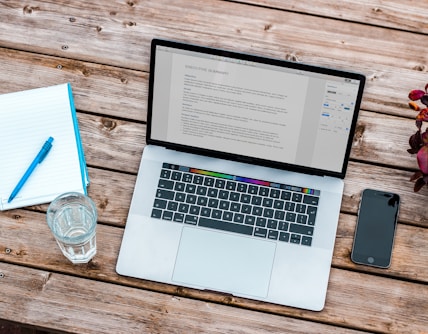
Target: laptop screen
(250, 108)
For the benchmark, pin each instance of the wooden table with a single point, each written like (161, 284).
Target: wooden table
(102, 49)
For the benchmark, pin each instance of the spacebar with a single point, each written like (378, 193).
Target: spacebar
(225, 226)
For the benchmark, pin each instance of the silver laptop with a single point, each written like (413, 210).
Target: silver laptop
(240, 184)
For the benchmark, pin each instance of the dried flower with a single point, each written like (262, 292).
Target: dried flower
(419, 141)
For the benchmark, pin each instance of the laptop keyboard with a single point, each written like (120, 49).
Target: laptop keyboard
(236, 204)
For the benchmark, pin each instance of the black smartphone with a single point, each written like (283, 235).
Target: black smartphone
(375, 230)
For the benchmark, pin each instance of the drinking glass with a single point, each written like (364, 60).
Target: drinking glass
(72, 218)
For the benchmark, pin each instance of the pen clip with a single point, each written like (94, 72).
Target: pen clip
(45, 149)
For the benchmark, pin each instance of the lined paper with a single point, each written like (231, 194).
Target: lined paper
(27, 120)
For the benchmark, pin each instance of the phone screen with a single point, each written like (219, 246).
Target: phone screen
(374, 234)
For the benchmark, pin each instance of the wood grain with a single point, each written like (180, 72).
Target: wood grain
(269, 32)
(102, 49)
(45, 298)
(351, 297)
(394, 14)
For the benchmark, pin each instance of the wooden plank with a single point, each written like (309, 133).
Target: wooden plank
(222, 24)
(117, 144)
(77, 305)
(408, 262)
(354, 300)
(96, 88)
(120, 92)
(413, 208)
(113, 191)
(394, 14)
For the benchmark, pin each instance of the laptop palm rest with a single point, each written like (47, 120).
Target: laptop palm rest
(223, 262)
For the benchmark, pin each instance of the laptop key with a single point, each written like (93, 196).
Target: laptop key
(268, 213)
(231, 185)
(300, 208)
(198, 179)
(245, 198)
(193, 220)
(234, 196)
(297, 197)
(201, 190)
(275, 193)
(184, 208)
(283, 226)
(312, 200)
(176, 176)
(225, 226)
(167, 215)
(250, 220)
(245, 208)
(235, 207)
(191, 199)
(238, 218)
(216, 214)
(156, 213)
(311, 210)
(178, 217)
(227, 216)
(253, 190)
(301, 229)
(311, 220)
(220, 183)
(213, 202)
(290, 217)
(209, 182)
(179, 186)
(242, 187)
(194, 210)
(165, 194)
(223, 194)
(205, 212)
(295, 239)
(280, 215)
(190, 188)
(302, 219)
(273, 235)
(180, 197)
(260, 232)
(160, 203)
(172, 206)
(272, 223)
(202, 201)
(165, 174)
(256, 200)
(212, 192)
(284, 236)
(257, 211)
(289, 206)
(307, 241)
(187, 177)
(278, 204)
(261, 222)
(166, 184)
(285, 195)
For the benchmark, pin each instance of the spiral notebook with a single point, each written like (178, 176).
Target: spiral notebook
(27, 119)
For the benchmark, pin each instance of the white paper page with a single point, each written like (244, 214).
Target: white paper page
(27, 120)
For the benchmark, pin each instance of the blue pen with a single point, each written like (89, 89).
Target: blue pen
(39, 158)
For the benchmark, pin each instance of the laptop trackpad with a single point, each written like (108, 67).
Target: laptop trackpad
(223, 262)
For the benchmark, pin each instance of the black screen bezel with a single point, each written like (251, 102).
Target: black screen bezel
(254, 58)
